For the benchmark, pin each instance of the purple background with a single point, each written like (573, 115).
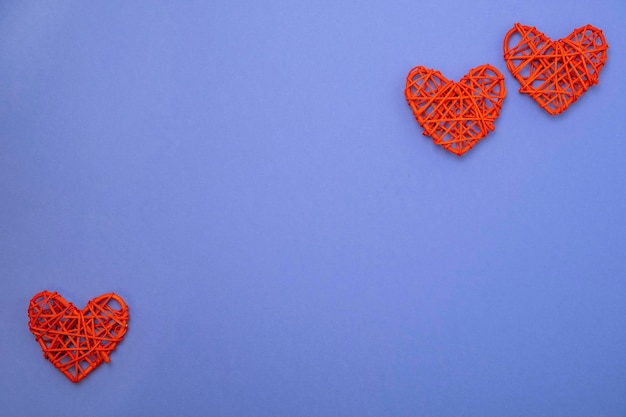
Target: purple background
(248, 176)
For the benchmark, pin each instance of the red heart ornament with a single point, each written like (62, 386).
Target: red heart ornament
(555, 73)
(77, 341)
(456, 115)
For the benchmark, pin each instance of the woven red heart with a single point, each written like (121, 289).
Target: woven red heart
(77, 341)
(555, 73)
(456, 115)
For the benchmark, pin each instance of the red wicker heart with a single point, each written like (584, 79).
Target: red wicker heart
(77, 341)
(555, 73)
(456, 115)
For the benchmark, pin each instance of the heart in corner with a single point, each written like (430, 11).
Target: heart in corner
(555, 73)
(77, 341)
